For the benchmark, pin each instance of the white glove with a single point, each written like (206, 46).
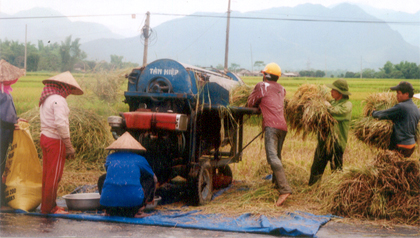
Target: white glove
(69, 148)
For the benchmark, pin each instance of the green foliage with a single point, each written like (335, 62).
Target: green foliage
(403, 70)
(32, 62)
(233, 67)
(117, 61)
(12, 52)
(259, 64)
(54, 57)
(70, 53)
(311, 73)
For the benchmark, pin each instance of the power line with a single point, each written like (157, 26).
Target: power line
(223, 16)
(295, 19)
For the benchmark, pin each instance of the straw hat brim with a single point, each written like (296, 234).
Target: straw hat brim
(9, 72)
(68, 79)
(339, 90)
(126, 142)
(417, 95)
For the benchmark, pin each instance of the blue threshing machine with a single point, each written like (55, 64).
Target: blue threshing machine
(181, 115)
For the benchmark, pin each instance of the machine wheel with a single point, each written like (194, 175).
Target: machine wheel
(222, 177)
(202, 185)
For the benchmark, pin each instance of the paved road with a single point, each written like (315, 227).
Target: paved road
(20, 225)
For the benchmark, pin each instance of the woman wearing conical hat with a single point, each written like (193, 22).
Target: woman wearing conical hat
(130, 182)
(55, 135)
(9, 75)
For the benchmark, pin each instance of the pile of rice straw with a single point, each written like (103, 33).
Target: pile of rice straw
(374, 132)
(89, 133)
(239, 95)
(388, 188)
(306, 113)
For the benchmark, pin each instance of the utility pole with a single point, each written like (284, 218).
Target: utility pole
(146, 37)
(227, 39)
(361, 67)
(26, 34)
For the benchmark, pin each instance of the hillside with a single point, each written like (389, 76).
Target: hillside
(295, 45)
(307, 36)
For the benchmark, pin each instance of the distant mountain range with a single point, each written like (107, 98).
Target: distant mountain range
(307, 36)
(52, 28)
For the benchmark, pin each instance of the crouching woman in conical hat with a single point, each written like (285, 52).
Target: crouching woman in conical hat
(55, 135)
(130, 182)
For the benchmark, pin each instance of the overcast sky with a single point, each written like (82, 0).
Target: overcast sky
(122, 21)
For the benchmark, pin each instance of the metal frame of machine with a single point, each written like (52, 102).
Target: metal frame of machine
(179, 113)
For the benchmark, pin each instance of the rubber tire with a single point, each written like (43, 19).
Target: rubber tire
(202, 185)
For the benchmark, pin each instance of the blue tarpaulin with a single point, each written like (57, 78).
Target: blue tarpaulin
(292, 224)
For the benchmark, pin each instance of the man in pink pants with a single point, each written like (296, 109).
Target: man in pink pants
(55, 135)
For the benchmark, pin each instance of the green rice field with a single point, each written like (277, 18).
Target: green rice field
(27, 90)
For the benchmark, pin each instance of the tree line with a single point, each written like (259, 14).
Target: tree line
(66, 56)
(403, 70)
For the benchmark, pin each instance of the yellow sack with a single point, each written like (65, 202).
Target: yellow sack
(23, 172)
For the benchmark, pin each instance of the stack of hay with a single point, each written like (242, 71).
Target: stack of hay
(239, 95)
(374, 132)
(387, 189)
(306, 113)
(89, 133)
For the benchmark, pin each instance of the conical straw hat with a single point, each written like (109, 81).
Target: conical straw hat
(416, 96)
(126, 142)
(68, 79)
(9, 72)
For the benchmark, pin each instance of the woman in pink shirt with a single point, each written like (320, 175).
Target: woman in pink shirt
(55, 135)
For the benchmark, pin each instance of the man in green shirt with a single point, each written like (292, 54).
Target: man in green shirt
(340, 108)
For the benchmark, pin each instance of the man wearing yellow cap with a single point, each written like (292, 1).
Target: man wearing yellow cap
(268, 96)
(55, 135)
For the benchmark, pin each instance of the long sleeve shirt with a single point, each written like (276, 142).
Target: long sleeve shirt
(54, 113)
(269, 97)
(405, 116)
(7, 111)
(122, 186)
(341, 111)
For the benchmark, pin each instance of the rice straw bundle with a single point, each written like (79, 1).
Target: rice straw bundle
(306, 113)
(379, 101)
(89, 133)
(387, 189)
(239, 95)
(106, 85)
(374, 132)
